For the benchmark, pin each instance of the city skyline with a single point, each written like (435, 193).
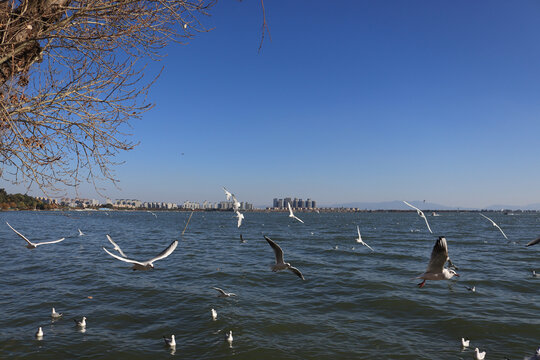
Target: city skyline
(366, 101)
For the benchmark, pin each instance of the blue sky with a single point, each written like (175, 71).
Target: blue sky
(350, 101)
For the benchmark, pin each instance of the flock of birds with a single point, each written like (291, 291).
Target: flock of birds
(435, 270)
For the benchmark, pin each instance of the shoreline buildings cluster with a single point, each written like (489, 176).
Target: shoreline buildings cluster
(295, 203)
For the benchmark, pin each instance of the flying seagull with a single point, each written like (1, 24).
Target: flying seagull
(240, 217)
(148, 211)
(280, 263)
(80, 232)
(148, 264)
(497, 226)
(534, 242)
(435, 269)
(420, 213)
(222, 292)
(116, 247)
(228, 194)
(359, 240)
(236, 203)
(291, 214)
(32, 245)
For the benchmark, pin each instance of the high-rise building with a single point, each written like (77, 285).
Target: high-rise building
(280, 204)
(275, 203)
(308, 203)
(287, 201)
(300, 204)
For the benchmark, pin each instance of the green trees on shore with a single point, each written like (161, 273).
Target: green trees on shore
(20, 202)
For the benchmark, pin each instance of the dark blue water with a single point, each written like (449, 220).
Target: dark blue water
(354, 304)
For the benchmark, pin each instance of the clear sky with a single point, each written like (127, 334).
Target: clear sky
(350, 101)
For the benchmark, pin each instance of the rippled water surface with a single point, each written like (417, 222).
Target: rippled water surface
(354, 304)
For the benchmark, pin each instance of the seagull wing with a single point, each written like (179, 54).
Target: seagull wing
(49, 242)
(363, 243)
(290, 209)
(220, 290)
(439, 256)
(277, 250)
(534, 242)
(359, 236)
(297, 218)
(116, 247)
(414, 207)
(21, 235)
(168, 251)
(425, 218)
(297, 272)
(502, 232)
(123, 259)
(493, 222)
(227, 193)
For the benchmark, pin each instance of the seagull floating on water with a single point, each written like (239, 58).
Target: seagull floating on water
(240, 217)
(242, 239)
(230, 338)
(536, 356)
(465, 342)
(435, 269)
(473, 289)
(534, 274)
(479, 355)
(359, 239)
(116, 247)
(55, 315)
(81, 323)
(148, 264)
(534, 242)
(280, 263)
(80, 232)
(214, 314)
(497, 226)
(291, 214)
(420, 213)
(222, 292)
(170, 342)
(39, 334)
(32, 245)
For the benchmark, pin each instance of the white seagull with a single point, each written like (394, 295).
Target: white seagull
(80, 232)
(230, 338)
(55, 315)
(280, 263)
(240, 217)
(214, 314)
(536, 355)
(497, 226)
(465, 343)
(222, 292)
(436, 269)
(81, 323)
(291, 214)
(534, 242)
(534, 274)
(116, 247)
(420, 213)
(479, 355)
(228, 194)
(39, 334)
(148, 264)
(170, 342)
(359, 240)
(32, 245)
(152, 213)
(236, 203)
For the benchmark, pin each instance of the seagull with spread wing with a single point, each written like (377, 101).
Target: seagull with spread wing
(497, 226)
(280, 263)
(32, 245)
(148, 264)
(420, 213)
(228, 194)
(359, 239)
(240, 217)
(116, 247)
(436, 269)
(291, 214)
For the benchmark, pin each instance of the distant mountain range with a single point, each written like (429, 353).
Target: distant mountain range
(399, 205)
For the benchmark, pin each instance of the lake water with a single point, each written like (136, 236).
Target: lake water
(354, 304)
